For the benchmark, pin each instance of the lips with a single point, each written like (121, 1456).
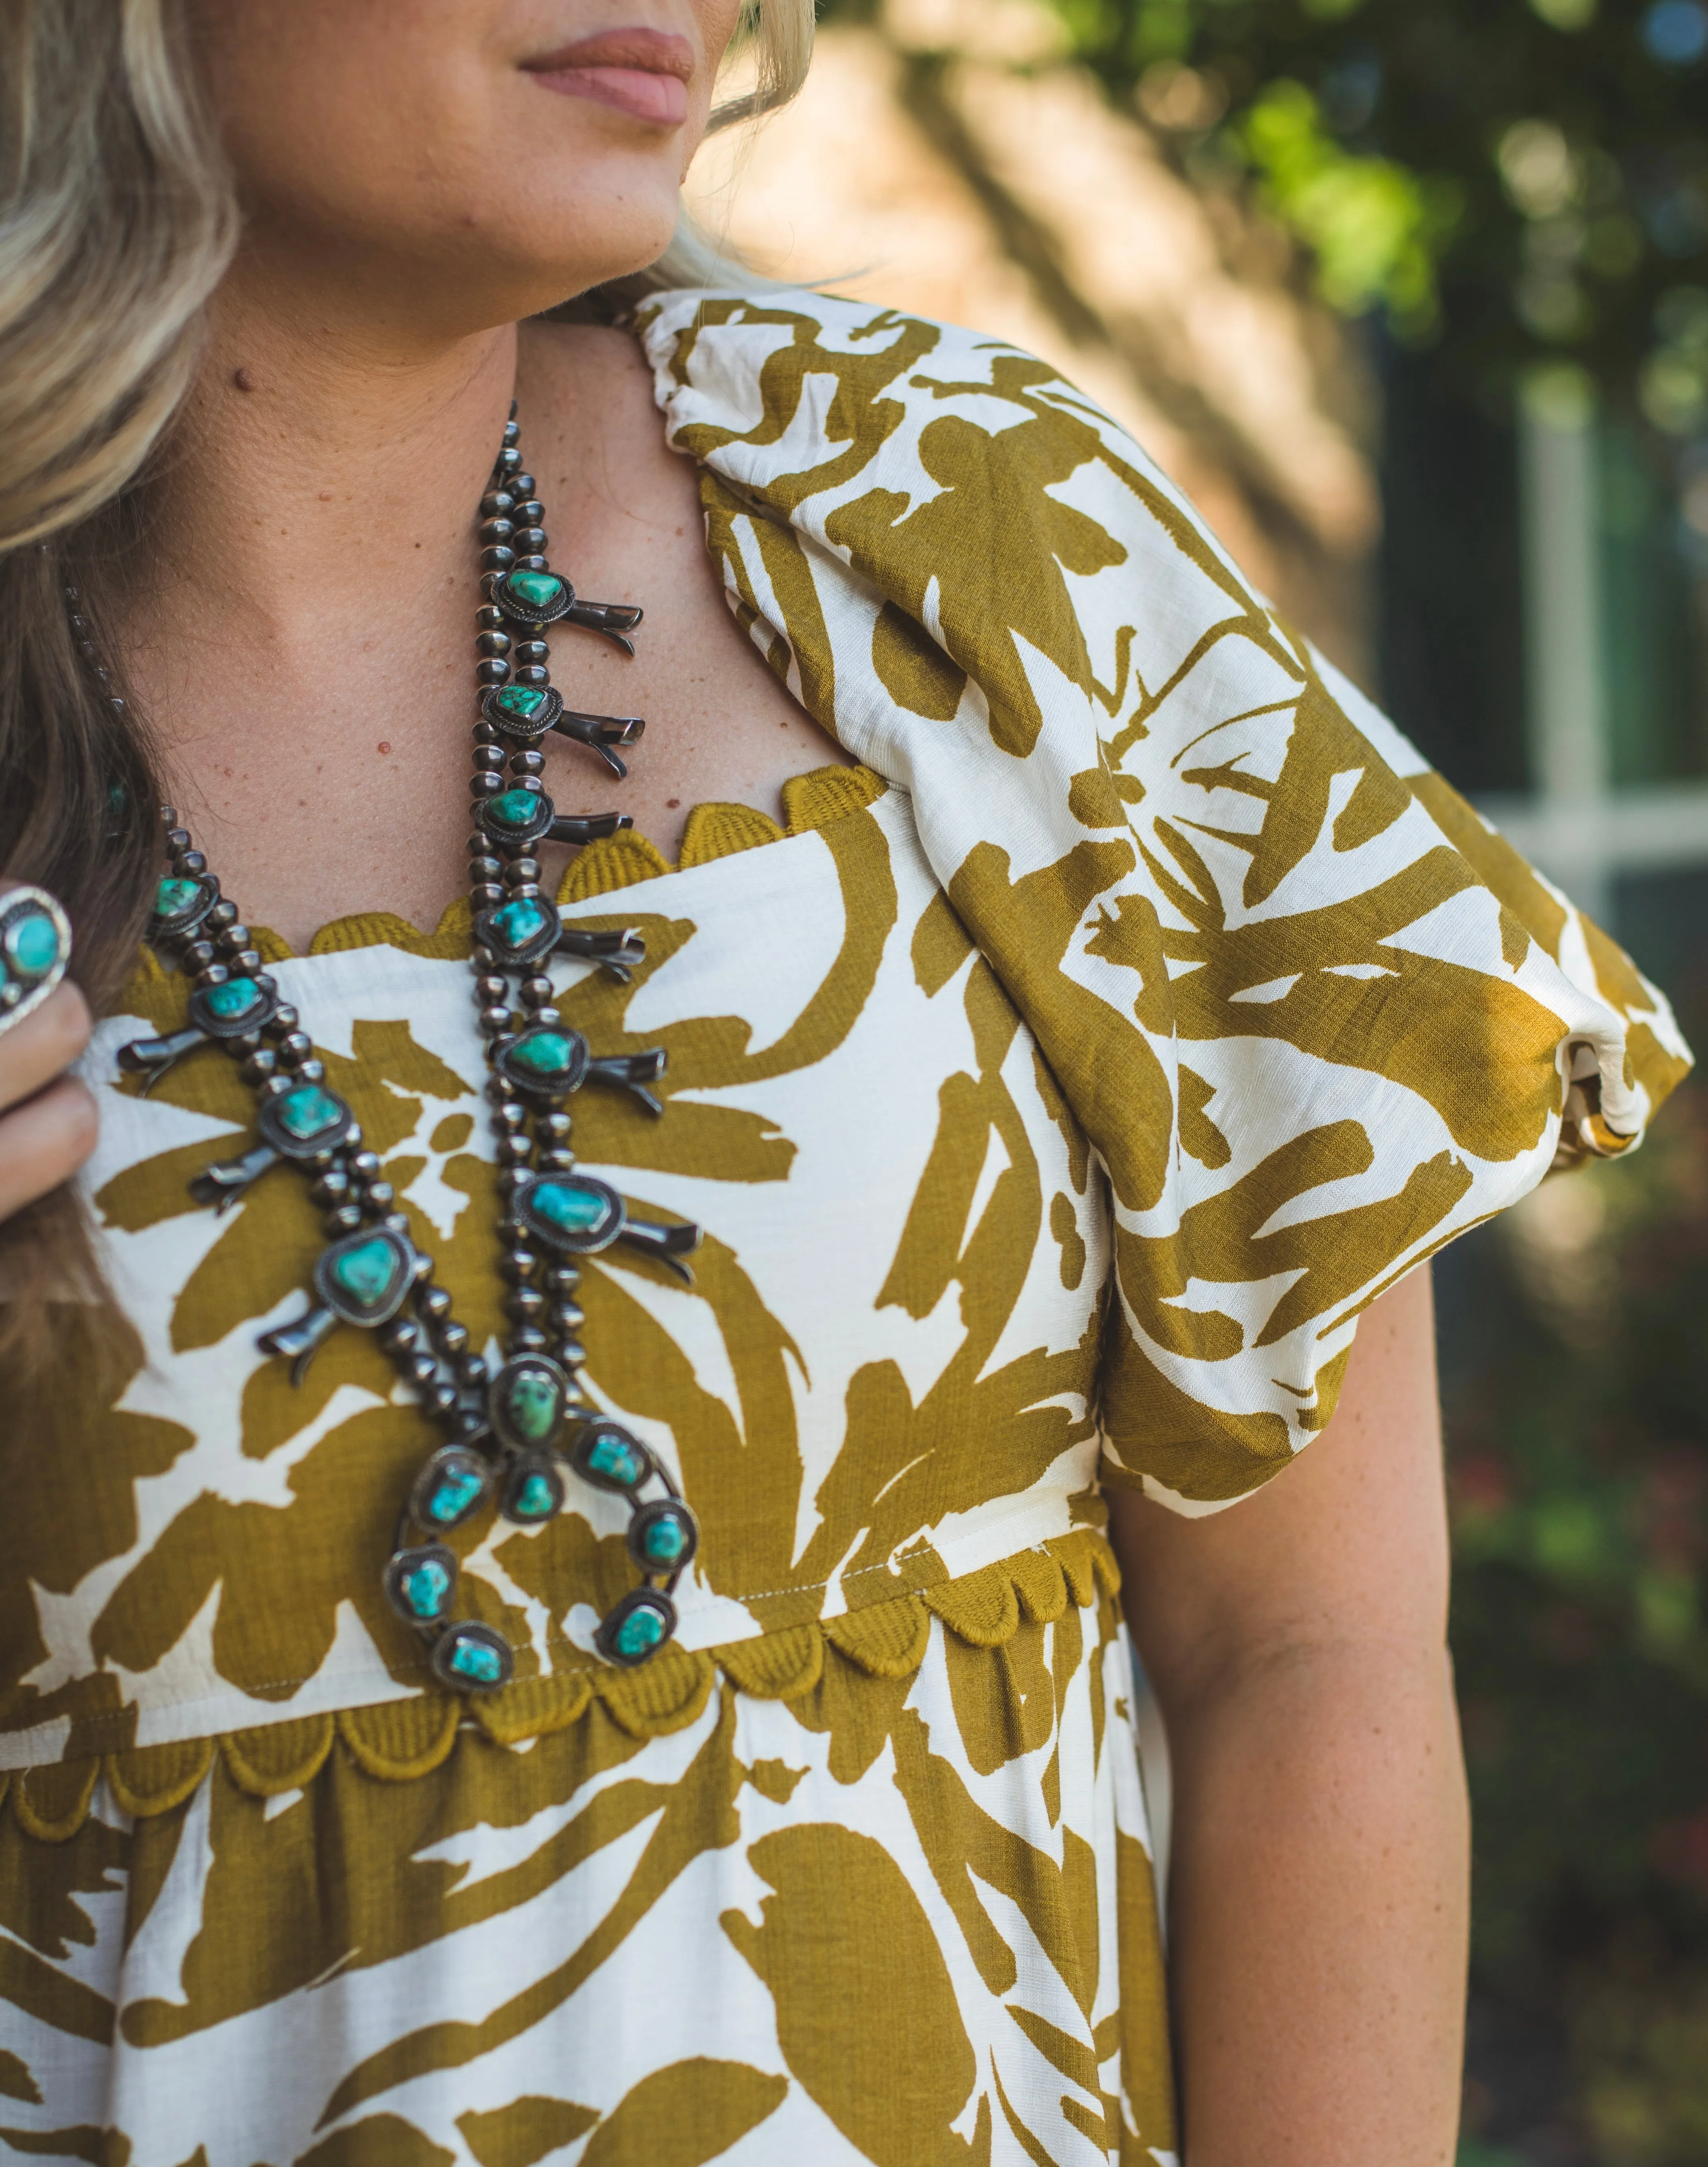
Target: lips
(638, 71)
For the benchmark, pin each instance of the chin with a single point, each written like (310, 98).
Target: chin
(552, 261)
(579, 222)
(625, 238)
(471, 258)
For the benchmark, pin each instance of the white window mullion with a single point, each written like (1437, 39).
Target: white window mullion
(1566, 717)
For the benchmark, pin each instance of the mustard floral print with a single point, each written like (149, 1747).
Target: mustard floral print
(1054, 1089)
(1314, 1017)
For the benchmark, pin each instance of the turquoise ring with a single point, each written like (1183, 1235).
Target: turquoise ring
(35, 946)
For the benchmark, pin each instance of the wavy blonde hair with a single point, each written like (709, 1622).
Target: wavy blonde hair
(117, 219)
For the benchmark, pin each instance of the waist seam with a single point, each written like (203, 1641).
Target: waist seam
(406, 1737)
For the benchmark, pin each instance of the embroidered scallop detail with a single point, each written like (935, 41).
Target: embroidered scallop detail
(829, 793)
(716, 831)
(268, 946)
(278, 1757)
(779, 1665)
(1041, 1586)
(983, 1608)
(719, 831)
(666, 1695)
(50, 1802)
(531, 1707)
(364, 928)
(153, 1779)
(397, 1740)
(614, 863)
(1086, 1561)
(887, 1641)
(449, 940)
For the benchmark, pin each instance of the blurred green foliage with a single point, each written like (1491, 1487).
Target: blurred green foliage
(1576, 1406)
(1644, 2056)
(1506, 179)
(1374, 228)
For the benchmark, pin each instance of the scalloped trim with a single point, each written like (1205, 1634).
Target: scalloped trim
(714, 830)
(398, 1740)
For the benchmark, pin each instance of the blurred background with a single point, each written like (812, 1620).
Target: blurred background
(1411, 297)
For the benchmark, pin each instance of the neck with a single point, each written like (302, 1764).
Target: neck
(323, 462)
(297, 623)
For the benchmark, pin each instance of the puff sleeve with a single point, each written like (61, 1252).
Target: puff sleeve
(1314, 1016)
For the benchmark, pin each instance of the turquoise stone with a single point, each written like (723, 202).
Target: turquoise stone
(640, 1632)
(523, 700)
(664, 1541)
(514, 809)
(32, 945)
(518, 922)
(307, 1110)
(546, 1053)
(615, 1460)
(458, 1489)
(532, 1404)
(427, 1589)
(536, 1500)
(366, 1273)
(236, 997)
(172, 896)
(538, 590)
(573, 1210)
(476, 1661)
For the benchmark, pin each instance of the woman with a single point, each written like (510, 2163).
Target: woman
(565, 1613)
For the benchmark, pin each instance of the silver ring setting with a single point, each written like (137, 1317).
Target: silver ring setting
(35, 946)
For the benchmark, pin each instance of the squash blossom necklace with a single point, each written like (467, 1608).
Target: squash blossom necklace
(512, 1435)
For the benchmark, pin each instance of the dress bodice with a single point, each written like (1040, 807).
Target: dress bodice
(882, 1378)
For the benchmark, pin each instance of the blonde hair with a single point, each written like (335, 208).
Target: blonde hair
(117, 219)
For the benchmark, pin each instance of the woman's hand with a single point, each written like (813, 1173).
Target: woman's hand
(48, 1120)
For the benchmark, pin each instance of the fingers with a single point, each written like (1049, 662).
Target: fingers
(51, 1127)
(45, 1141)
(32, 1053)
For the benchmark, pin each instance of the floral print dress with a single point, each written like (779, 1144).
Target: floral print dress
(1055, 1089)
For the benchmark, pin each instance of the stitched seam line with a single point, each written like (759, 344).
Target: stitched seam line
(812, 1586)
(109, 1719)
